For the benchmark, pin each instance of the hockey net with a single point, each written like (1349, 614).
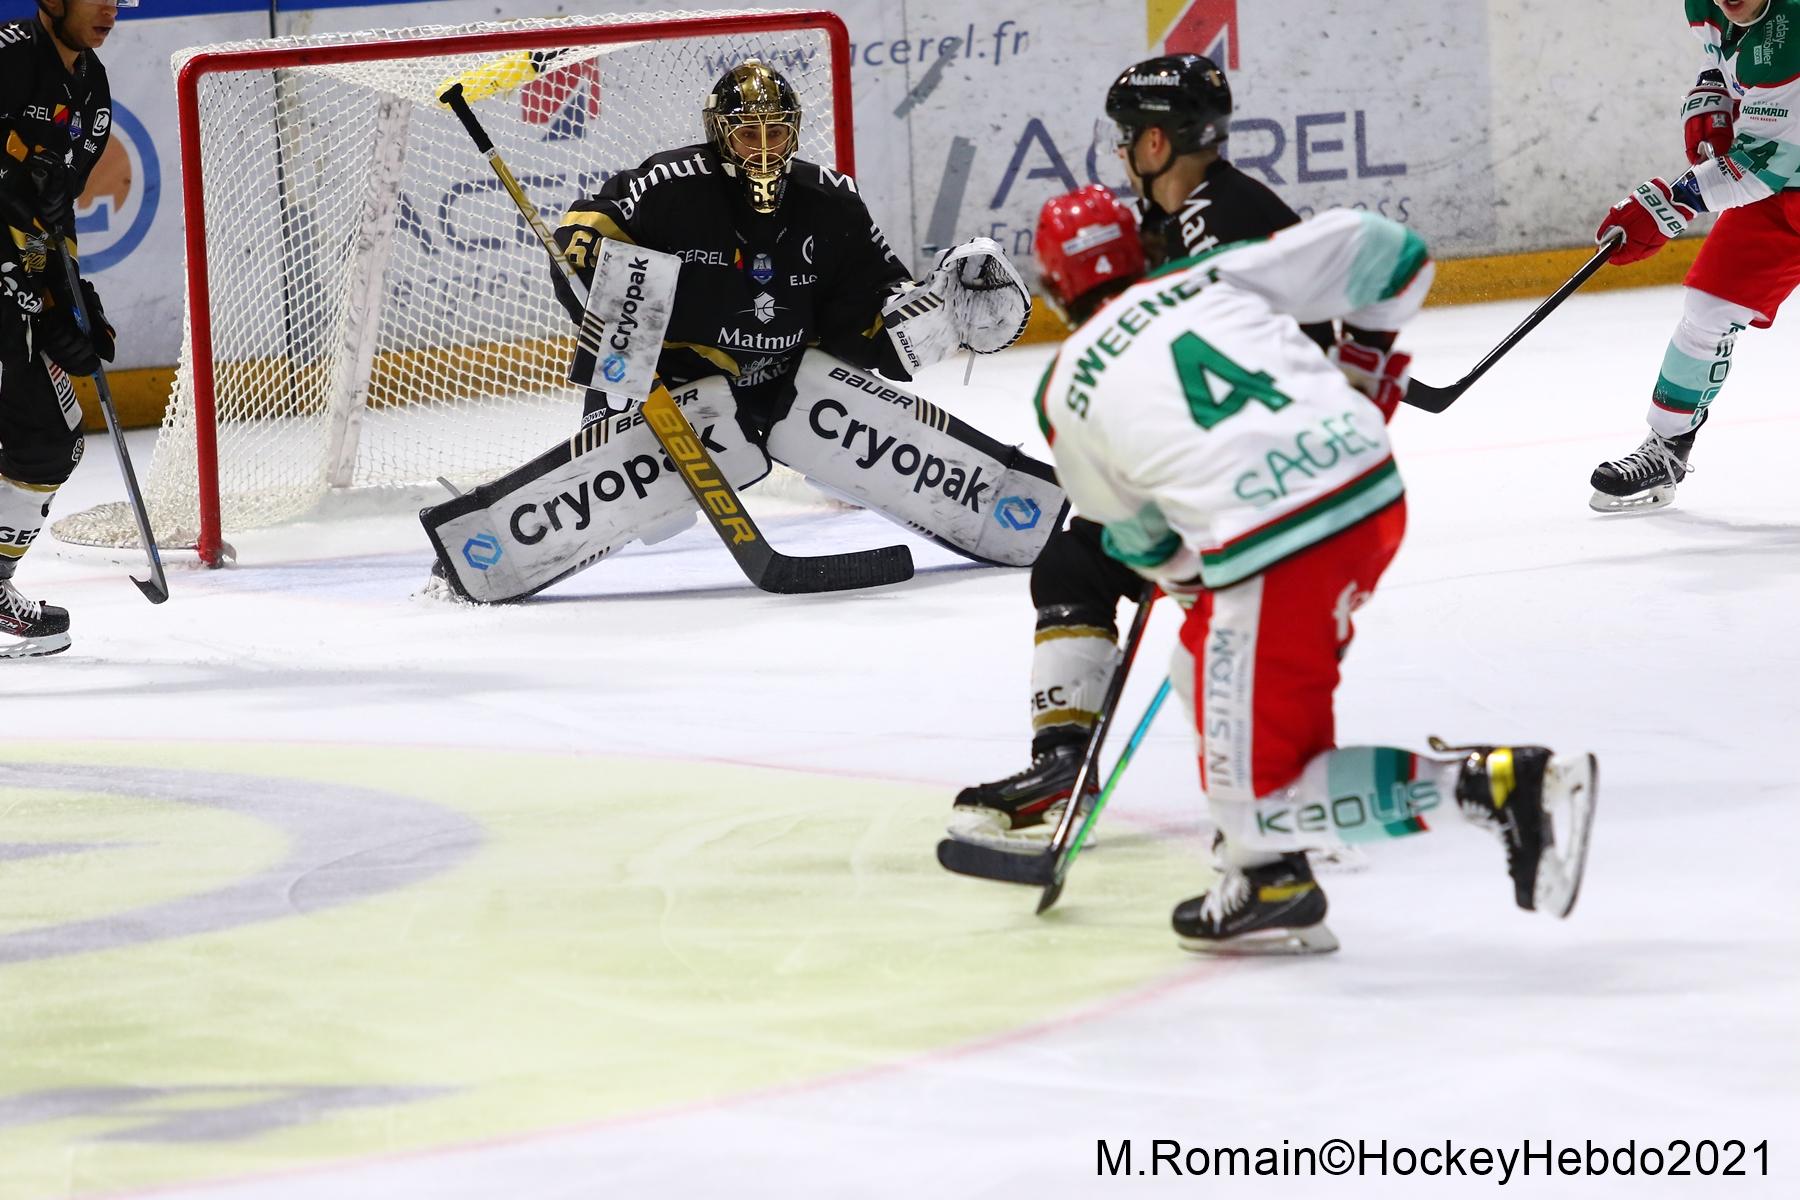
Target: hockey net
(366, 308)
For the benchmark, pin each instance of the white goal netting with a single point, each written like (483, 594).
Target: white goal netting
(379, 313)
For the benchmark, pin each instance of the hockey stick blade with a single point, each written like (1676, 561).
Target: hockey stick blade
(1432, 399)
(788, 575)
(762, 564)
(1437, 399)
(1002, 866)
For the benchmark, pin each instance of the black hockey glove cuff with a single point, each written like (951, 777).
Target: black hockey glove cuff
(55, 333)
(37, 189)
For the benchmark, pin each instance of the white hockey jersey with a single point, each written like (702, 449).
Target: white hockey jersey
(1192, 410)
(1761, 65)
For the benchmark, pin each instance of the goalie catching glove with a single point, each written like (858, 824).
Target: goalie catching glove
(974, 299)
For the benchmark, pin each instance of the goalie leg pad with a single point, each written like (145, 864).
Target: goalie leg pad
(896, 452)
(581, 499)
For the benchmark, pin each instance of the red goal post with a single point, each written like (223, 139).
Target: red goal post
(386, 360)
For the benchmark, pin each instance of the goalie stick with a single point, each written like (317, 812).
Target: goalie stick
(1048, 868)
(762, 564)
(1437, 399)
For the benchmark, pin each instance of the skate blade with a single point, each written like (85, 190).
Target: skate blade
(1650, 501)
(982, 827)
(42, 647)
(1270, 943)
(1571, 787)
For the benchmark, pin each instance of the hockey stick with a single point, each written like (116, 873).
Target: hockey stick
(155, 588)
(762, 564)
(1437, 399)
(1048, 868)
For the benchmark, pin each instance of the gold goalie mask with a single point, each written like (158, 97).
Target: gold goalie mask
(753, 123)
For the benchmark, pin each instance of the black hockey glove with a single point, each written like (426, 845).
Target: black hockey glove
(55, 333)
(49, 178)
(100, 330)
(62, 307)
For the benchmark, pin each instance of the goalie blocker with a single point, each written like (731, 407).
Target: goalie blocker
(582, 499)
(858, 434)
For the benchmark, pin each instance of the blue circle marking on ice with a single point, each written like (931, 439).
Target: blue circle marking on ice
(345, 844)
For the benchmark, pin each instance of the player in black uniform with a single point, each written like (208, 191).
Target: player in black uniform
(55, 117)
(1173, 115)
(783, 277)
(778, 254)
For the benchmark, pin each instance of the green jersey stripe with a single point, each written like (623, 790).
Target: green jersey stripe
(1262, 548)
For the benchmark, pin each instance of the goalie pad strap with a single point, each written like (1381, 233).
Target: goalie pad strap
(906, 458)
(581, 499)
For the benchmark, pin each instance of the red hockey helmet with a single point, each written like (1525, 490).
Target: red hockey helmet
(1085, 240)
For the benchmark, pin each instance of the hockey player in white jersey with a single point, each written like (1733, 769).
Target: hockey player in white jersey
(1237, 467)
(1741, 123)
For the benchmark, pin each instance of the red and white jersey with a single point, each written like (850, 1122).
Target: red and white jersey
(1192, 411)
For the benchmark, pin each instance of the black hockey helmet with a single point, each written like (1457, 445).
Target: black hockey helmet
(752, 121)
(1184, 95)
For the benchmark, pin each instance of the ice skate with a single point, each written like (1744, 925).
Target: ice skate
(1273, 909)
(1541, 805)
(1645, 479)
(1021, 812)
(30, 628)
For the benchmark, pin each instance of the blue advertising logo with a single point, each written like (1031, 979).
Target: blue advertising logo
(1018, 512)
(114, 213)
(613, 368)
(482, 551)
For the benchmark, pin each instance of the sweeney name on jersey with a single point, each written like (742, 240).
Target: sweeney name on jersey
(1192, 410)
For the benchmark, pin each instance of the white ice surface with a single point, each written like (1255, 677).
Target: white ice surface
(1666, 1007)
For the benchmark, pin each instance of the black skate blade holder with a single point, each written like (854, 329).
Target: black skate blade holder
(1437, 399)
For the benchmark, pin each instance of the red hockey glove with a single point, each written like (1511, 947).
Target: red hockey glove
(1707, 118)
(1381, 375)
(1649, 217)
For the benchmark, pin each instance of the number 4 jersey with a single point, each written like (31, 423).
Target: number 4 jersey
(1191, 409)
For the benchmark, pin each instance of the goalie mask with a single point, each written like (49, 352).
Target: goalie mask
(753, 124)
(1087, 250)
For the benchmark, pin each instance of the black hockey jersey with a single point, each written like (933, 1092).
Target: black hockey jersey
(755, 290)
(1227, 206)
(43, 105)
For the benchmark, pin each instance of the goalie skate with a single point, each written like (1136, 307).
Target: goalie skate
(1541, 805)
(1021, 811)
